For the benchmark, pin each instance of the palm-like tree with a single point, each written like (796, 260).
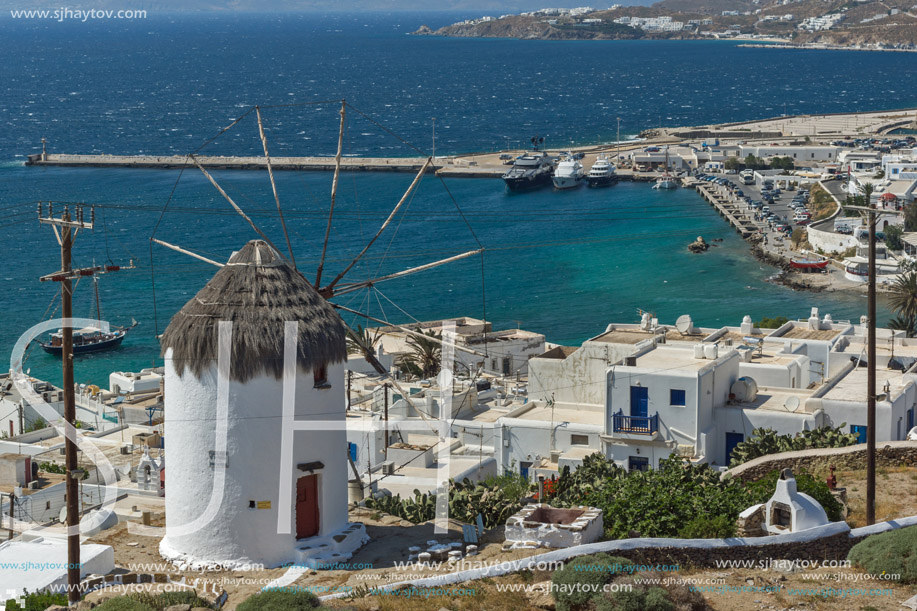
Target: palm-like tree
(903, 323)
(903, 297)
(364, 340)
(426, 354)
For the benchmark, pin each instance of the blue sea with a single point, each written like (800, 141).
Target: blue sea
(564, 264)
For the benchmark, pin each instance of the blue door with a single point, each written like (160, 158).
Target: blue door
(639, 401)
(732, 440)
(859, 431)
(910, 420)
(524, 470)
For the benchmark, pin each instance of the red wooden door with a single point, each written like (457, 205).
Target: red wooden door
(306, 506)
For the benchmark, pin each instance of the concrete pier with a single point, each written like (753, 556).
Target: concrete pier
(388, 164)
(727, 209)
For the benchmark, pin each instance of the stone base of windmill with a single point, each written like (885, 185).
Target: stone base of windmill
(315, 552)
(538, 525)
(326, 551)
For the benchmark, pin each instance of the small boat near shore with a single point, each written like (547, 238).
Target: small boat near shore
(667, 180)
(95, 338)
(809, 262)
(88, 339)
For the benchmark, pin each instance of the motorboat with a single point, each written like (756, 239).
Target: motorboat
(569, 173)
(602, 173)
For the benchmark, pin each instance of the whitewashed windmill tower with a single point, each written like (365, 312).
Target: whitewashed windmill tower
(254, 419)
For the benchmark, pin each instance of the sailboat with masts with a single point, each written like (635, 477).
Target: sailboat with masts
(667, 180)
(95, 338)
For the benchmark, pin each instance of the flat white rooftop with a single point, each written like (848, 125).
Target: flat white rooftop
(852, 387)
(674, 359)
(41, 565)
(566, 413)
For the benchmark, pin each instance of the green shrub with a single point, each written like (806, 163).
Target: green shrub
(160, 601)
(704, 527)
(37, 601)
(642, 597)
(589, 571)
(496, 499)
(893, 552)
(184, 597)
(280, 600)
(763, 489)
(123, 603)
(655, 503)
(766, 441)
(772, 323)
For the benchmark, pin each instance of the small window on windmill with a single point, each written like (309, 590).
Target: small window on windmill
(781, 515)
(218, 459)
(320, 375)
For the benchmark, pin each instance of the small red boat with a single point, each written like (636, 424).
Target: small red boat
(807, 263)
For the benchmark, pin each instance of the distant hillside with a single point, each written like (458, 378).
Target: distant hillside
(524, 27)
(843, 22)
(704, 7)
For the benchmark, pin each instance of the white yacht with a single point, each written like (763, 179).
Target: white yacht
(569, 173)
(602, 173)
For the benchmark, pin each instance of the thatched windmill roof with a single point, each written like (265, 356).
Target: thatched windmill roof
(258, 291)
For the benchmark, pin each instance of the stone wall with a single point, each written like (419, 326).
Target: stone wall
(829, 542)
(834, 547)
(888, 454)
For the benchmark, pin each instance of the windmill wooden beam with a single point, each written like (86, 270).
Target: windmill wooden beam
(349, 288)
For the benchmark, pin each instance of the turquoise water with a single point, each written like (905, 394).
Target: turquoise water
(562, 263)
(565, 264)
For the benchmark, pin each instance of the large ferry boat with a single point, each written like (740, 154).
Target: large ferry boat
(530, 171)
(569, 173)
(602, 173)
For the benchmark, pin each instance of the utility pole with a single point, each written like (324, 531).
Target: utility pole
(12, 518)
(871, 376)
(870, 361)
(434, 143)
(69, 228)
(618, 142)
(385, 390)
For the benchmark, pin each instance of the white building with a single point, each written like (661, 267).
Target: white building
(19, 413)
(639, 393)
(799, 154)
(478, 346)
(254, 420)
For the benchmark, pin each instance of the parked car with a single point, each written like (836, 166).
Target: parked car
(803, 222)
(844, 229)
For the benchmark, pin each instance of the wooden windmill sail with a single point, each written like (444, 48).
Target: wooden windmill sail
(338, 284)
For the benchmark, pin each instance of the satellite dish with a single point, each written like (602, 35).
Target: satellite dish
(791, 403)
(683, 324)
(62, 516)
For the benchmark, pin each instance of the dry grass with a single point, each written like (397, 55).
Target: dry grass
(896, 493)
(824, 205)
